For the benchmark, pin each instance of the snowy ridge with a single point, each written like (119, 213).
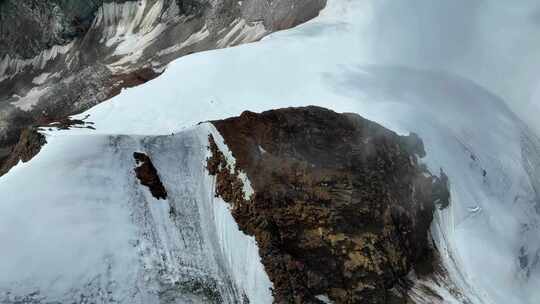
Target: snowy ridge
(124, 38)
(492, 192)
(124, 245)
(467, 131)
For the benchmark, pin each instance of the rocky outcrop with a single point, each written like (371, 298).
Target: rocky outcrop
(341, 206)
(28, 145)
(59, 58)
(148, 175)
(31, 140)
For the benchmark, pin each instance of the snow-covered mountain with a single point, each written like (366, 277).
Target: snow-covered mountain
(93, 235)
(59, 58)
(71, 216)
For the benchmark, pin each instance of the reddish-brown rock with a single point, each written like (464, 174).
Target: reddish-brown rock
(148, 175)
(341, 205)
(29, 144)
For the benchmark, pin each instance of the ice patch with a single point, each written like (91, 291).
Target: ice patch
(27, 102)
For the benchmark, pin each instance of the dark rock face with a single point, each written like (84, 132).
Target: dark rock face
(92, 64)
(191, 7)
(148, 175)
(30, 141)
(28, 27)
(29, 144)
(341, 205)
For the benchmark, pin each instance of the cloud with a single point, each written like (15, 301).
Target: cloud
(494, 43)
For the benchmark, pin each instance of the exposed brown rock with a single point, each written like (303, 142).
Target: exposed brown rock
(29, 144)
(341, 205)
(148, 175)
(30, 140)
(64, 123)
(130, 79)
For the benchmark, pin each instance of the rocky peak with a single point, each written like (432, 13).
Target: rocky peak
(342, 206)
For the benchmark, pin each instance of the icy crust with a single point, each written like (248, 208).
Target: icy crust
(89, 231)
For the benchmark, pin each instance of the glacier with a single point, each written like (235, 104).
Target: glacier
(487, 238)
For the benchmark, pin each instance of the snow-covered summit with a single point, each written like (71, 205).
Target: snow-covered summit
(488, 238)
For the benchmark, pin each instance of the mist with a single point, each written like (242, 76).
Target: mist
(493, 43)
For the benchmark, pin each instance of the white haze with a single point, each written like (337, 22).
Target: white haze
(492, 42)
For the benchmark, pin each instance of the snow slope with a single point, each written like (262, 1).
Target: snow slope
(90, 232)
(488, 237)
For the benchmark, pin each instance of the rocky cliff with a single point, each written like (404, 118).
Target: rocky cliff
(341, 206)
(61, 57)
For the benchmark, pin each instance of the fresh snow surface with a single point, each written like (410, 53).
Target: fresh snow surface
(491, 158)
(89, 231)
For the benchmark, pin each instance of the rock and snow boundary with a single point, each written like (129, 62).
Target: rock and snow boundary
(490, 156)
(166, 227)
(341, 206)
(94, 232)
